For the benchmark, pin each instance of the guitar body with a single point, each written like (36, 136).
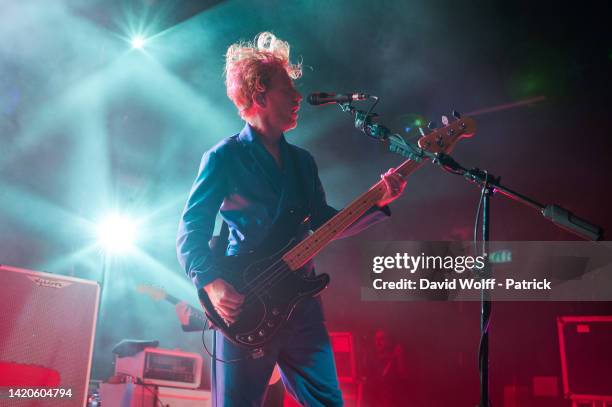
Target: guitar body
(271, 288)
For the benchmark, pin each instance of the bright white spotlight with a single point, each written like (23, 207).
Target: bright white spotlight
(138, 42)
(116, 234)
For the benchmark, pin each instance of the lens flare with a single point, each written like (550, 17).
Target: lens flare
(116, 234)
(138, 42)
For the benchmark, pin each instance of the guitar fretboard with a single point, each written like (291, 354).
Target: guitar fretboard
(313, 244)
(194, 312)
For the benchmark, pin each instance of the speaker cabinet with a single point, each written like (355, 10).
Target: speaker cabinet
(344, 355)
(47, 325)
(586, 357)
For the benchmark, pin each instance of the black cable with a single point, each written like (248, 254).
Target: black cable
(477, 223)
(476, 252)
(477, 220)
(213, 368)
(485, 328)
(366, 120)
(212, 355)
(153, 392)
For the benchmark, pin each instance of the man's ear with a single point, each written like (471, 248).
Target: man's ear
(259, 99)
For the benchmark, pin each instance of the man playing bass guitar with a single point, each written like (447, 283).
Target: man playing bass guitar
(250, 179)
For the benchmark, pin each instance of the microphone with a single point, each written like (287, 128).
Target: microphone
(322, 98)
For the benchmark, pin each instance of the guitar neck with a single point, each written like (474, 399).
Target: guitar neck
(160, 294)
(172, 299)
(313, 244)
(195, 312)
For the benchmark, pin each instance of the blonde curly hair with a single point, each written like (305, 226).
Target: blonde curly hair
(249, 67)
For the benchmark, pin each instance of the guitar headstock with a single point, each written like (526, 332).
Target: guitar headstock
(156, 293)
(444, 139)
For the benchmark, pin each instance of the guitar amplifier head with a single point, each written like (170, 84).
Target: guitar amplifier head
(162, 367)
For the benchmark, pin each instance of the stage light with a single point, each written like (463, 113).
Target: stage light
(116, 234)
(138, 42)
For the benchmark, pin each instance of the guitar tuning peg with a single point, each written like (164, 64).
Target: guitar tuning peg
(432, 125)
(456, 114)
(445, 121)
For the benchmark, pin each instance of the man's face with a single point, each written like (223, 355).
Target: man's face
(282, 101)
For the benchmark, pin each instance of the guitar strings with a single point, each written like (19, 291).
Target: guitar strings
(279, 273)
(408, 165)
(343, 225)
(375, 189)
(318, 246)
(360, 206)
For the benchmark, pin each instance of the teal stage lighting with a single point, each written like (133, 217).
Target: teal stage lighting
(116, 234)
(138, 42)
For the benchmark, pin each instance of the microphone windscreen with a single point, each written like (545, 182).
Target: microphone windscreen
(319, 98)
(312, 98)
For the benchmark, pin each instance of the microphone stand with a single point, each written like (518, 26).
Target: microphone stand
(489, 185)
(397, 144)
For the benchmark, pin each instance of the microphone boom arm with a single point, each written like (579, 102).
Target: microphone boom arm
(397, 144)
(560, 216)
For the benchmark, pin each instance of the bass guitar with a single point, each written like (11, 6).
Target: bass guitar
(268, 276)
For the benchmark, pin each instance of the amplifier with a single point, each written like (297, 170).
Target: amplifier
(586, 357)
(344, 355)
(47, 325)
(162, 367)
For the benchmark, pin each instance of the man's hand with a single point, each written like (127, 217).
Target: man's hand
(395, 184)
(183, 312)
(225, 299)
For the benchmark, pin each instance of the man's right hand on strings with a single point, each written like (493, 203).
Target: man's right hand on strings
(226, 300)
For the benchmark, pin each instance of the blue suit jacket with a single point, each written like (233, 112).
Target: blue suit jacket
(240, 179)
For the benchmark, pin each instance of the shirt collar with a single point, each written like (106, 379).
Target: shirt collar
(249, 136)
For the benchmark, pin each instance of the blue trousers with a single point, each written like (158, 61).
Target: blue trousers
(303, 352)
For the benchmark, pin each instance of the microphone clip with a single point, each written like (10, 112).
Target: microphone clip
(364, 121)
